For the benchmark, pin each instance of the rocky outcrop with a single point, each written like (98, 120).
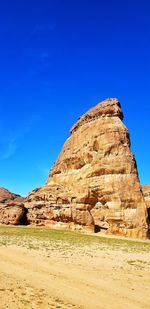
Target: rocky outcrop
(146, 193)
(94, 182)
(12, 209)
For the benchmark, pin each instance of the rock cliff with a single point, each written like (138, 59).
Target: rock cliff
(12, 209)
(94, 182)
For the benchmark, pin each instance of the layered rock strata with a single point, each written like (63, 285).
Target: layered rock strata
(94, 182)
(12, 209)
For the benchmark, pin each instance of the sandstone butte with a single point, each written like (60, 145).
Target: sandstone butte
(94, 183)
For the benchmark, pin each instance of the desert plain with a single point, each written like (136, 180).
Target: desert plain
(42, 268)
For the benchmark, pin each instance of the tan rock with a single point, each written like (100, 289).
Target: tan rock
(12, 209)
(146, 193)
(94, 182)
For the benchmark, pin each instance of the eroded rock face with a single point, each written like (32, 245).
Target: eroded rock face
(146, 193)
(11, 208)
(94, 182)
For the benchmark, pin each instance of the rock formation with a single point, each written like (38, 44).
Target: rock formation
(94, 182)
(146, 193)
(12, 210)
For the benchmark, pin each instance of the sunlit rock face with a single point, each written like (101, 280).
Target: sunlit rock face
(146, 193)
(12, 210)
(94, 182)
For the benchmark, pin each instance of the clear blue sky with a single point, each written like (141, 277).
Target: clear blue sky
(58, 59)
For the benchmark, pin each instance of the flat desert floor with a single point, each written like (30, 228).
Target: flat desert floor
(43, 268)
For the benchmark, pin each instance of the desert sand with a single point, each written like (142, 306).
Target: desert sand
(50, 272)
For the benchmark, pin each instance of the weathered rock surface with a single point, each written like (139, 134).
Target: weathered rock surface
(11, 207)
(146, 193)
(94, 182)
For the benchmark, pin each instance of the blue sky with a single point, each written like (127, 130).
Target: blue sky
(58, 59)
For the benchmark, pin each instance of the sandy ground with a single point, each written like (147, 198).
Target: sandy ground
(50, 276)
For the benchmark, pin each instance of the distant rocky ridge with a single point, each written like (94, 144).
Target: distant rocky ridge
(94, 183)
